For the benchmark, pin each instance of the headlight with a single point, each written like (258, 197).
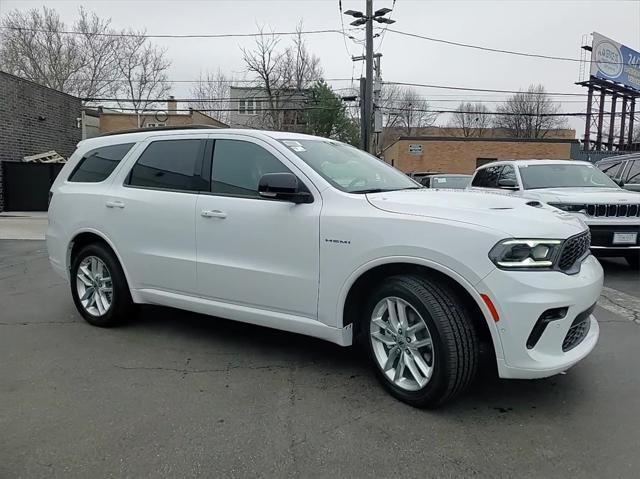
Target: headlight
(526, 253)
(571, 208)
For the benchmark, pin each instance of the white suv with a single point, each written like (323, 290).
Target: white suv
(579, 188)
(310, 235)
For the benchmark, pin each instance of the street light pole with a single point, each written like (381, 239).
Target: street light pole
(367, 19)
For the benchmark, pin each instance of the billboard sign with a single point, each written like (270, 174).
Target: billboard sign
(615, 62)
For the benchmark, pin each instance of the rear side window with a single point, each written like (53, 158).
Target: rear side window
(171, 165)
(633, 177)
(96, 165)
(487, 177)
(238, 166)
(612, 169)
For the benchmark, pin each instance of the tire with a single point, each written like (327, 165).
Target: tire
(452, 356)
(96, 256)
(634, 260)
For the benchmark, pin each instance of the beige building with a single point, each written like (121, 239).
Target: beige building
(111, 120)
(464, 155)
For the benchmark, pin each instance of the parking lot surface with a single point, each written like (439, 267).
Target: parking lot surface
(175, 394)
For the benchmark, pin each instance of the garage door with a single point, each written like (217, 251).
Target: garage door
(26, 185)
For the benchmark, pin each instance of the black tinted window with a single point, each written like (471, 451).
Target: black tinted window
(487, 177)
(633, 177)
(612, 169)
(170, 164)
(96, 165)
(238, 166)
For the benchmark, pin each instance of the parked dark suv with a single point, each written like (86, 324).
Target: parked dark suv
(623, 169)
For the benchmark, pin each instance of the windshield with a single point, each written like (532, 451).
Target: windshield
(348, 168)
(457, 182)
(563, 176)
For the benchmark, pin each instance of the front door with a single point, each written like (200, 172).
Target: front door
(253, 251)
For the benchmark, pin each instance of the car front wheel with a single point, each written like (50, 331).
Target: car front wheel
(420, 340)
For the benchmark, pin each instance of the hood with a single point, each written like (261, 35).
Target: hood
(507, 214)
(583, 195)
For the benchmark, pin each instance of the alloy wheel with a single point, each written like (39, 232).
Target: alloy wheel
(402, 343)
(94, 286)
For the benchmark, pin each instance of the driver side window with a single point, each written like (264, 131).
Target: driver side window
(238, 166)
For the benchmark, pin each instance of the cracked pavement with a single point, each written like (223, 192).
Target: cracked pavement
(175, 394)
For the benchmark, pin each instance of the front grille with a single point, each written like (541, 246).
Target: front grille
(613, 210)
(578, 330)
(574, 249)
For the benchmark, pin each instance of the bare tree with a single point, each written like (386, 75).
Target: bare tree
(99, 56)
(143, 70)
(94, 62)
(212, 86)
(300, 67)
(411, 111)
(33, 47)
(529, 114)
(266, 62)
(472, 119)
(284, 75)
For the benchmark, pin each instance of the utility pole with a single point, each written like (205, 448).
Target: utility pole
(367, 19)
(368, 98)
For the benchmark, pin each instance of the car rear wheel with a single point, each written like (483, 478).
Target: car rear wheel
(99, 287)
(421, 342)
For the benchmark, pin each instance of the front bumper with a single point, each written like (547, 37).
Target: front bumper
(521, 298)
(603, 230)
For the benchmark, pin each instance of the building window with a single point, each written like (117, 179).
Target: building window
(484, 161)
(248, 106)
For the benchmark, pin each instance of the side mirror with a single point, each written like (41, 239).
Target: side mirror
(508, 183)
(283, 186)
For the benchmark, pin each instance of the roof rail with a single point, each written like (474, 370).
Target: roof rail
(162, 128)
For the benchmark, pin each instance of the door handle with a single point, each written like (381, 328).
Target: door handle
(114, 204)
(213, 214)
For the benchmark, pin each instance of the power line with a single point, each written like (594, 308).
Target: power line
(164, 110)
(175, 35)
(570, 114)
(256, 81)
(494, 50)
(384, 30)
(487, 90)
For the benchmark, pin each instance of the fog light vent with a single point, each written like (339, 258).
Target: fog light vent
(544, 319)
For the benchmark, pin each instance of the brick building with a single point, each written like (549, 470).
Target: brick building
(111, 120)
(464, 155)
(35, 119)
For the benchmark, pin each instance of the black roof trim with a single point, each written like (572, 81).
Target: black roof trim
(163, 128)
(503, 140)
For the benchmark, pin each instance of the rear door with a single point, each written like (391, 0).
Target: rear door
(150, 213)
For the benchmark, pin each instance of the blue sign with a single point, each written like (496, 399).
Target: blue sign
(615, 62)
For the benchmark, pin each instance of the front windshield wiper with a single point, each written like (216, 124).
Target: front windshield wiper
(382, 190)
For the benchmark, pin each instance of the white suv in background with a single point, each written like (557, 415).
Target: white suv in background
(579, 188)
(310, 235)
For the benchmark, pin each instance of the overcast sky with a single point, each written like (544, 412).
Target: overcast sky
(547, 27)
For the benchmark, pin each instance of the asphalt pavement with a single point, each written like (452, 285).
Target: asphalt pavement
(175, 394)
